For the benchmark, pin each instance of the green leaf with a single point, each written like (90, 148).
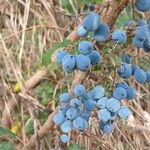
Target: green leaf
(29, 128)
(76, 147)
(46, 58)
(6, 146)
(4, 131)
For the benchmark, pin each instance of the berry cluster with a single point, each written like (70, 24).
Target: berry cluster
(75, 112)
(142, 5)
(126, 70)
(87, 57)
(92, 23)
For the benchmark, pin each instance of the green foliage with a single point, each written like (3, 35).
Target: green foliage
(122, 19)
(29, 127)
(46, 58)
(6, 146)
(42, 116)
(6, 132)
(75, 147)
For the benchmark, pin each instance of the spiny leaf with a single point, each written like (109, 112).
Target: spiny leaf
(75, 147)
(4, 131)
(6, 146)
(46, 58)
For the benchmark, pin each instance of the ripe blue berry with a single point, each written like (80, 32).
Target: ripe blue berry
(59, 118)
(113, 105)
(119, 36)
(82, 31)
(101, 103)
(124, 112)
(134, 67)
(64, 98)
(78, 123)
(140, 76)
(125, 70)
(85, 47)
(91, 22)
(119, 93)
(64, 138)
(137, 42)
(108, 128)
(91, 6)
(141, 33)
(71, 113)
(68, 62)
(104, 115)
(89, 104)
(95, 57)
(126, 58)
(79, 90)
(141, 22)
(142, 5)
(98, 92)
(122, 84)
(60, 55)
(102, 33)
(75, 103)
(131, 93)
(66, 126)
(148, 76)
(83, 62)
(146, 45)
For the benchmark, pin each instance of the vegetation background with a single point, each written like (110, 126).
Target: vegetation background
(30, 32)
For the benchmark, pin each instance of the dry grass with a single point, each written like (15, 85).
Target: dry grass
(28, 28)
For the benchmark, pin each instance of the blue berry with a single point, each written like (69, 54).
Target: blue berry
(131, 93)
(71, 113)
(75, 103)
(95, 57)
(59, 118)
(102, 33)
(141, 22)
(104, 115)
(108, 128)
(89, 105)
(119, 93)
(148, 76)
(83, 62)
(82, 31)
(142, 5)
(98, 92)
(79, 123)
(122, 84)
(68, 62)
(60, 55)
(64, 138)
(126, 58)
(79, 90)
(124, 112)
(91, 6)
(125, 70)
(91, 22)
(85, 47)
(101, 103)
(137, 42)
(113, 105)
(134, 67)
(141, 33)
(146, 45)
(119, 36)
(85, 116)
(66, 127)
(64, 98)
(140, 76)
